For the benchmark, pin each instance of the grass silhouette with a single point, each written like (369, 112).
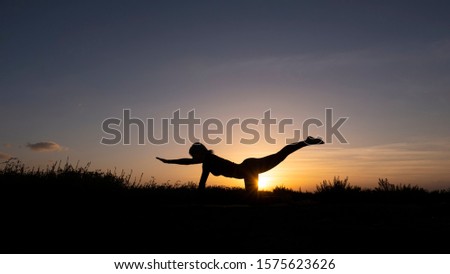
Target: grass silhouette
(71, 209)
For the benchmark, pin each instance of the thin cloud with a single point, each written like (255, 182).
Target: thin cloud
(4, 156)
(44, 146)
(7, 145)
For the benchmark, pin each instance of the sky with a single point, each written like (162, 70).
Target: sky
(384, 66)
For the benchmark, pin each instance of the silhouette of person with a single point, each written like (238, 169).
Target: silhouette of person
(248, 170)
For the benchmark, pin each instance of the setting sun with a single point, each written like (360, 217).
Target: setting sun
(264, 182)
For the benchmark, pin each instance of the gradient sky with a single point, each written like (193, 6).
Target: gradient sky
(67, 66)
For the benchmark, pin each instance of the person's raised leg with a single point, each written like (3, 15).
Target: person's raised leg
(264, 164)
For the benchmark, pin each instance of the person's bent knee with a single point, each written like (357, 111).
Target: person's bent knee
(251, 185)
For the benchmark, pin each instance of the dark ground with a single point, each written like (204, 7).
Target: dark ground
(112, 221)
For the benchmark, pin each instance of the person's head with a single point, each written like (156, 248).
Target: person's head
(198, 151)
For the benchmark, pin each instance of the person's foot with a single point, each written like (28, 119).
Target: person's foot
(314, 141)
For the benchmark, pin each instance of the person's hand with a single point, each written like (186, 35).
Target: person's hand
(162, 160)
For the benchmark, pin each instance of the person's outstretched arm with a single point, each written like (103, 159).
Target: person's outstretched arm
(182, 161)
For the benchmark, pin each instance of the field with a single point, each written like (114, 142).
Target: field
(67, 209)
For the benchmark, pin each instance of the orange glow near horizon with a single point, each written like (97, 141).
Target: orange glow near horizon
(417, 162)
